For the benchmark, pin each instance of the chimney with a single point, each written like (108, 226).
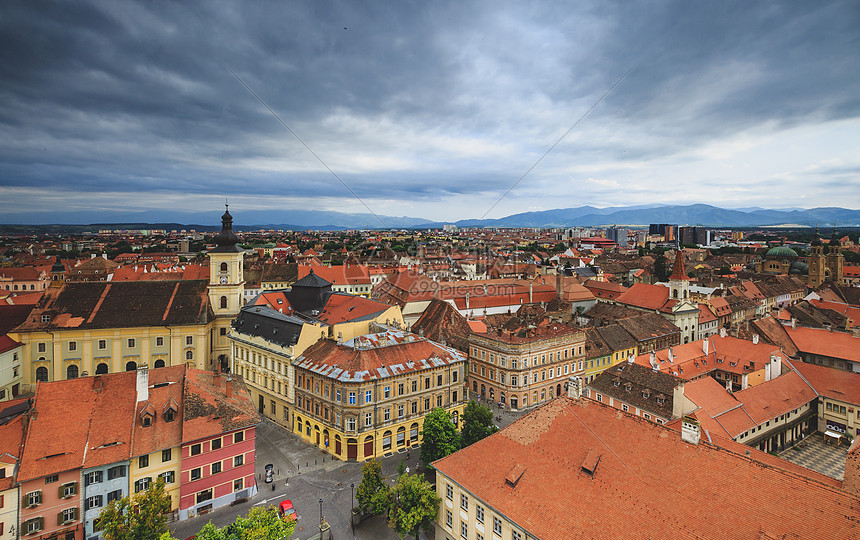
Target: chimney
(851, 481)
(631, 358)
(467, 300)
(690, 430)
(228, 387)
(531, 292)
(340, 338)
(671, 356)
(722, 332)
(755, 339)
(574, 387)
(705, 346)
(653, 360)
(793, 322)
(142, 383)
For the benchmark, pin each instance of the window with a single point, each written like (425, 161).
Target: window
(216, 443)
(34, 498)
(93, 502)
(337, 395)
(238, 461)
(368, 396)
(166, 455)
(464, 530)
(169, 477)
(73, 345)
(102, 344)
(51, 479)
(368, 419)
(414, 407)
(400, 411)
(33, 525)
(223, 302)
(216, 467)
(454, 374)
(143, 461)
(350, 424)
(114, 495)
(497, 526)
(439, 380)
(479, 513)
(238, 437)
(142, 484)
(159, 341)
(42, 373)
(68, 490)
(449, 491)
(386, 415)
(624, 407)
(516, 536)
(189, 355)
(237, 484)
(464, 502)
(189, 340)
(449, 518)
(93, 478)
(130, 343)
(204, 495)
(414, 385)
(352, 398)
(42, 345)
(196, 474)
(116, 472)
(386, 393)
(169, 415)
(399, 389)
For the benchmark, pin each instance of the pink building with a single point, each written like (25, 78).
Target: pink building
(217, 466)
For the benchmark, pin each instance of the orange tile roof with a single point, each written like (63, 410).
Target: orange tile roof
(705, 314)
(646, 296)
(724, 353)
(648, 483)
(849, 311)
(831, 382)
(207, 410)
(823, 342)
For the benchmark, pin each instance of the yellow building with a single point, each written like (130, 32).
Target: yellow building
(368, 396)
(90, 328)
(226, 287)
(268, 336)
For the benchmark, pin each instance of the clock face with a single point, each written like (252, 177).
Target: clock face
(223, 279)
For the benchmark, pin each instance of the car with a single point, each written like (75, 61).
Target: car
(286, 510)
(270, 473)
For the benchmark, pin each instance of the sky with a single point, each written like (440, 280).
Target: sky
(424, 109)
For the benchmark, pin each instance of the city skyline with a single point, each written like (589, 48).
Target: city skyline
(426, 111)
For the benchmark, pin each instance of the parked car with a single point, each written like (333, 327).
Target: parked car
(270, 473)
(286, 510)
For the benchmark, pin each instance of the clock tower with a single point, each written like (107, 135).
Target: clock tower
(226, 286)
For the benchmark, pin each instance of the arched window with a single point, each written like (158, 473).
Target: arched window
(189, 355)
(224, 267)
(72, 372)
(42, 374)
(32, 287)
(131, 366)
(223, 302)
(14, 287)
(159, 363)
(101, 369)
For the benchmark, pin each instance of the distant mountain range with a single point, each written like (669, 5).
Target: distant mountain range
(588, 216)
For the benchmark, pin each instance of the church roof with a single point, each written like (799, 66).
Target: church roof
(311, 280)
(226, 240)
(781, 252)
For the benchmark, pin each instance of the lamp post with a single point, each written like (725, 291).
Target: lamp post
(351, 508)
(321, 516)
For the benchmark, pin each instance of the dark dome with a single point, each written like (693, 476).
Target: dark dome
(799, 268)
(226, 240)
(781, 252)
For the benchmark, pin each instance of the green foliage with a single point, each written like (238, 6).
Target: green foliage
(439, 436)
(561, 246)
(210, 532)
(414, 504)
(140, 516)
(373, 493)
(401, 467)
(661, 268)
(477, 423)
(261, 524)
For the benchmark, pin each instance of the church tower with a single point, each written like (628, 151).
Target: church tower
(679, 283)
(817, 267)
(835, 259)
(226, 286)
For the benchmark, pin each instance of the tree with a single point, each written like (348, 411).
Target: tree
(661, 269)
(414, 504)
(261, 524)
(373, 493)
(477, 423)
(439, 436)
(140, 516)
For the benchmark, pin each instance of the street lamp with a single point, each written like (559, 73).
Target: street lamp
(321, 516)
(351, 507)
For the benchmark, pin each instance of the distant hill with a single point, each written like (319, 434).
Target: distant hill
(589, 216)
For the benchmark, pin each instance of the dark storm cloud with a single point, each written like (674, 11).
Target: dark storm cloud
(404, 100)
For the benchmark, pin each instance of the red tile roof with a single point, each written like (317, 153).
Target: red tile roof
(831, 382)
(376, 356)
(724, 353)
(705, 314)
(823, 342)
(646, 296)
(648, 483)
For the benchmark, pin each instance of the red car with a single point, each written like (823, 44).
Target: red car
(286, 510)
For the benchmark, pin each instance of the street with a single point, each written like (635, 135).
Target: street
(305, 474)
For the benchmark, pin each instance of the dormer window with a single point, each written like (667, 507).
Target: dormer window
(616, 382)
(147, 420)
(170, 411)
(660, 400)
(46, 318)
(646, 393)
(628, 387)
(169, 415)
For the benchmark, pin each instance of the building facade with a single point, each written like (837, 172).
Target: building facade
(521, 369)
(368, 396)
